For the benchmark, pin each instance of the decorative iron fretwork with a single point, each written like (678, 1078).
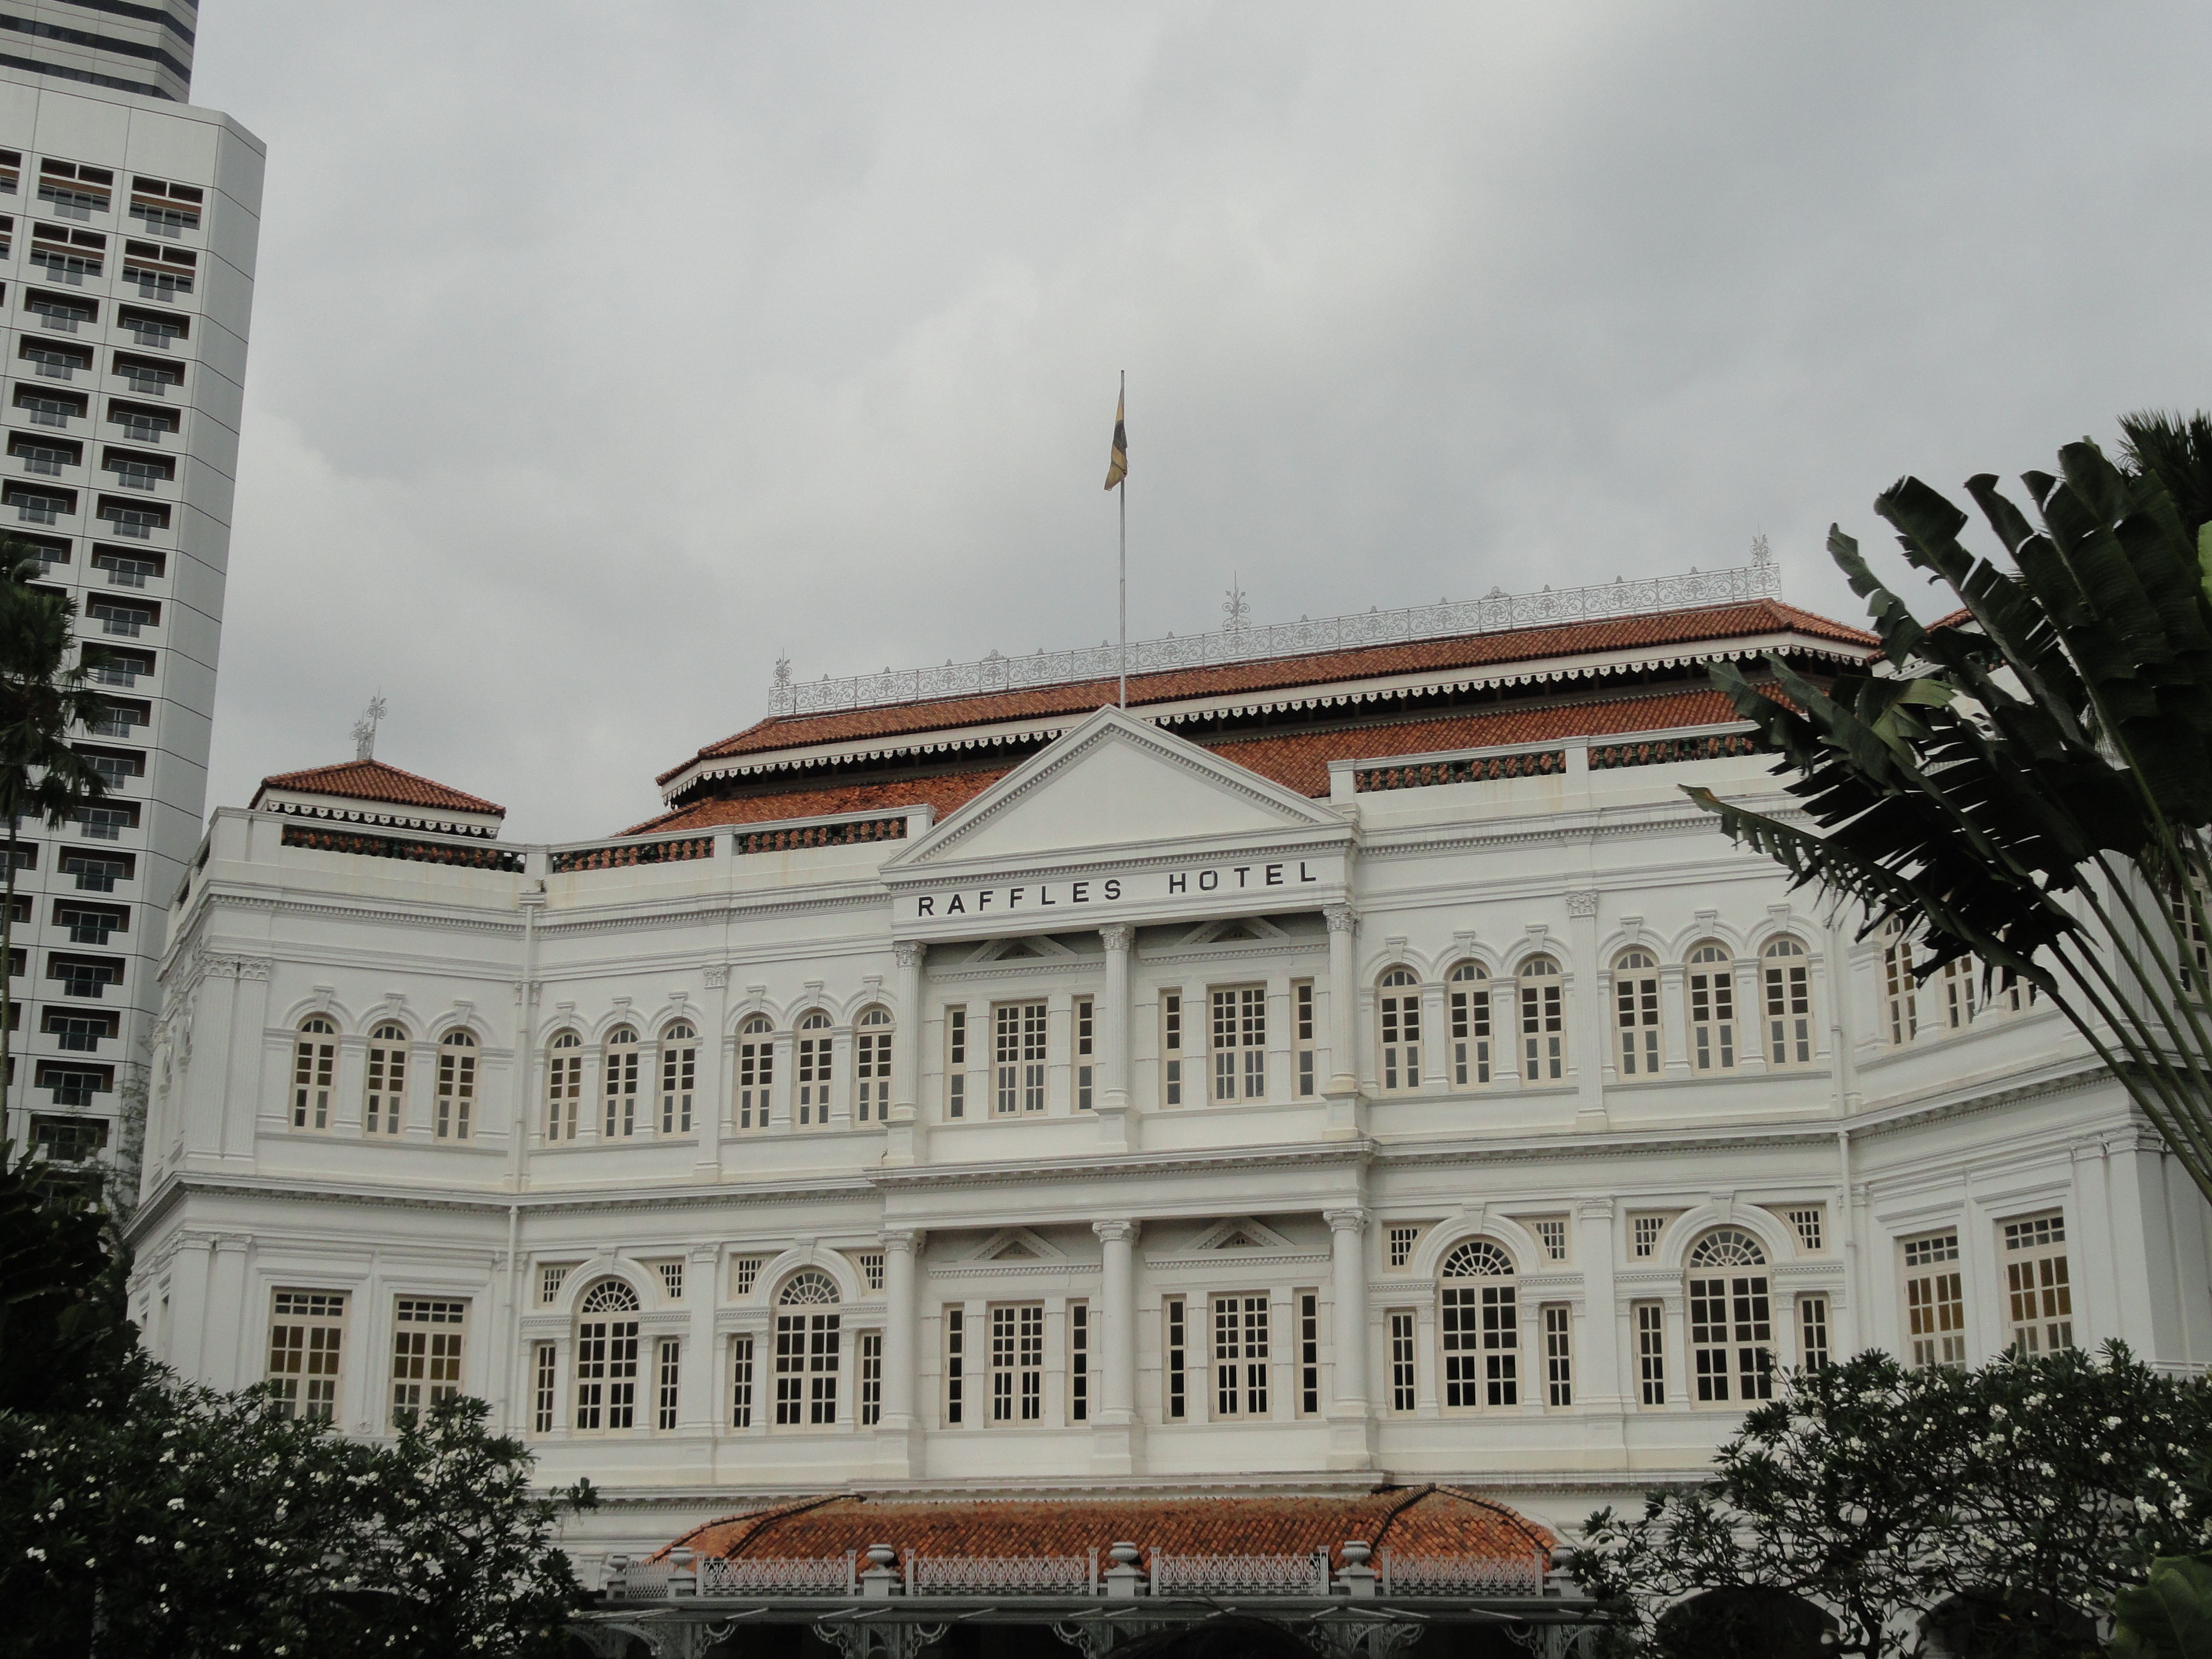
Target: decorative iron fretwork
(402, 846)
(1660, 751)
(620, 855)
(1479, 768)
(821, 834)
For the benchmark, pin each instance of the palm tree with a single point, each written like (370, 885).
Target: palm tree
(43, 694)
(2029, 786)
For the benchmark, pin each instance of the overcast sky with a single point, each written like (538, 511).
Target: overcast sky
(603, 353)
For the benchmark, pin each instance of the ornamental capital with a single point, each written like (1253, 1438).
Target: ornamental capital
(901, 1241)
(718, 979)
(909, 953)
(1119, 937)
(1582, 903)
(1115, 1232)
(1346, 1221)
(1341, 918)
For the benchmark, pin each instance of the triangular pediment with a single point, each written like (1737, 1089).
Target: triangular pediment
(1239, 1233)
(1016, 1244)
(1116, 782)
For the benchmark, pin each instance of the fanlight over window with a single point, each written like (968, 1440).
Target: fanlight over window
(609, 1296)
(1477, 1329)
(1728, 1247)
(1478, 1258)
(809, 1289)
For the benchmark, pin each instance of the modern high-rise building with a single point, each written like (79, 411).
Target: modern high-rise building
(129, 221)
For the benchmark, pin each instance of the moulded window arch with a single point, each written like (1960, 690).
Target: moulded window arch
(618, 1066)
(679, 1076)
(564, 1085)
(806, 1350)
(385, 1087)
(871, 1065)
(457, 1086)
(1900, 994)
(1731, 1318)
(1710, 984)
(810, 1086)
(1543, 1021)
(1468, 1001)
(606, 1357)
(1398, 1021)
(1636, 1011)
(314, 1062)
(1479, 1327)
(1786, 984)
(755, 1071)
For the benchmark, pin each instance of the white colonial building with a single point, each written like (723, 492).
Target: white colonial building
(1355, 1060)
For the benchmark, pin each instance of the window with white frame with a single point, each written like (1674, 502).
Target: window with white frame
(1551, 1232)
(1786, 974)
(1240, 1356)
(1636, 1012)
(606, 1358)
(1543, 1021)
(1807, 1221)
(1812, 1332)
(2187, 905)
(314, 1063)
(1710, 987)
(672, 1279)
(306, 1339)
(741, 1381)
(386, 1083)
(1019, 1050)
(1302, 1036)
(744, 1274)
(2038, 1292)
(564, 1086)
(1935, 1300)
(871, 1066)
(679, 1076)
(457, 1086)
(1171, 1054)
(667, 1374)
(1559, 1354)
(1900, 1001)
(1404, 1397)
(1086, 1046)
(1399, 1243)
(1468, 1004)
(1018, 1363)
(1174, 1358)
(1731, 1318)
(1643, 1232)
(1309, 1305)
(810, 1099)
(806, 1351)
(871, 1264)
(1240, 1044)
(551, 1276)
(1651, 1353)
(545, 1384)
(1078, 1362)
(956, 1365)
(1398, 1021)
(1479, 1327)
(618, 1084)
(955, 1062)
(1958, 990)
(426, 1353)
(871, 1367)
(755, 1071)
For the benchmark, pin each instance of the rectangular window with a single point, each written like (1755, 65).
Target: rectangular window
(1813, 1332)
(1086, 1052)
(955, 1062)
(1240, 1356)
(1401, 1241)
(1403, 1395)
(806, 1347)
(1732, 1336)
(871, 1379)
(745, 1273)
(956, 1365)
(606, 1372)
(1552, 1234)
(1808, 1225)
(1470, 1027)
(871, 1269)
(1240, 1044)
(1171, 1047)
(1559, 1357)
(426, 1354)
(741, 1381)
(1651, 1352)
(1018, 1363)
(1935, 1301)
(1078, 1362)
(1309, 1353)
(546, 1368)
(1302, 1021)
(2039, 1299)
(1636, 1011)
(306, 1336)
(1479, 1327)
(672, 1280)
(668, 1379)
(551, 1276)
(1644, 1230)
(1175, 1355)
(1019, 1055)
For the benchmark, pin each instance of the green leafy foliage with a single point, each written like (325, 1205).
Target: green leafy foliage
(2171, 1616)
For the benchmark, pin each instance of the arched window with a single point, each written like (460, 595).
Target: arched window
(315, 1061)
(871, 1066)
(1543, 1021)
(806, 1350)
(1636, 1011)
(811, 1100)
(1731, 1317)
(1468, 991)
(1398, 1011)
(679, 1073)
(388, 1079)
(1712, 1008)
(1788, 979)
(1959, 987)
(1900, 998)
(1479, 1327)
(618, 1083)
(564, 1086)
(606, 1358)
(457, 1086)
(755, 1071)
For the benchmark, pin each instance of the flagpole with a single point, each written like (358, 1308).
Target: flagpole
(1125, 563)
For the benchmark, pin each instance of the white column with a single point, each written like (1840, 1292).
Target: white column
(902, 1145)
(899, 1440)
(1598, 1372)
(1352, 1431)
(1116, 1440)
(699, 1388)
(1113, 1035)
(710, 1098)
(1343, 1090)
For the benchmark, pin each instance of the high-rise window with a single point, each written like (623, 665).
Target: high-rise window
(1636, 1012)
(1078, 1362)
(564, 1086)
(956, 1365)
(1171, 1048)
(606, 1358)
(618, 1084)
(871, 1066)
(755, 1072)
(667, 1382)
(1711, 985)
(1651, 1352)
(315, 1061)
(1309, 1353)
(2039, 1298)
(1018, 1363)
(1479, 1327)
(1085, 1054)
(1543, 1021)
(1019, 1053)
(388, 1079)
(1935, 1300)
(1174, 1358)
(1469, 1004)
(741, 1381)
(1558, 1355)
(426, 1353)
(1731, 1318)
(955, 1062)
(1398, 1021)
(1788, 978)
(806, 1351)
(1240, 1044)
(1240, 1356)
(1404, 1396)
(1301, 1023)
(679, 1075)
(810, 1102)
(871, 1379)
(307, 1338)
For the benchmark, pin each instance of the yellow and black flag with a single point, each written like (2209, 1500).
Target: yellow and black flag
(1117, 467)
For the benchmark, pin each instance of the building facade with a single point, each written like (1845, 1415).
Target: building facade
(1343, 1066)
(129, 221)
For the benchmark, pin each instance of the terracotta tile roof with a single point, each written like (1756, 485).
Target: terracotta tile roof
(943, 791)
(1411, 1520)
(1471, 651)
(372, 780)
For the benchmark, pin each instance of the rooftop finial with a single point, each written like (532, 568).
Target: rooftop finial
(364, 729)
(1237, 607)
(1760, 552)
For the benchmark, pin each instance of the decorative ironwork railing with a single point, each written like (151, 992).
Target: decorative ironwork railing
(621, 854)
(1279, 1575)
(1002, 1575)
(640, 1581)
(821, 834)
(1481, 768)
(1494, 612)
(1461, 1575)
(1657, 751)
(402, 846)
(779, 1576)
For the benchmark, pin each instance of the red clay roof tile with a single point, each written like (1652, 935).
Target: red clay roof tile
(943, 791)
(372, 780)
